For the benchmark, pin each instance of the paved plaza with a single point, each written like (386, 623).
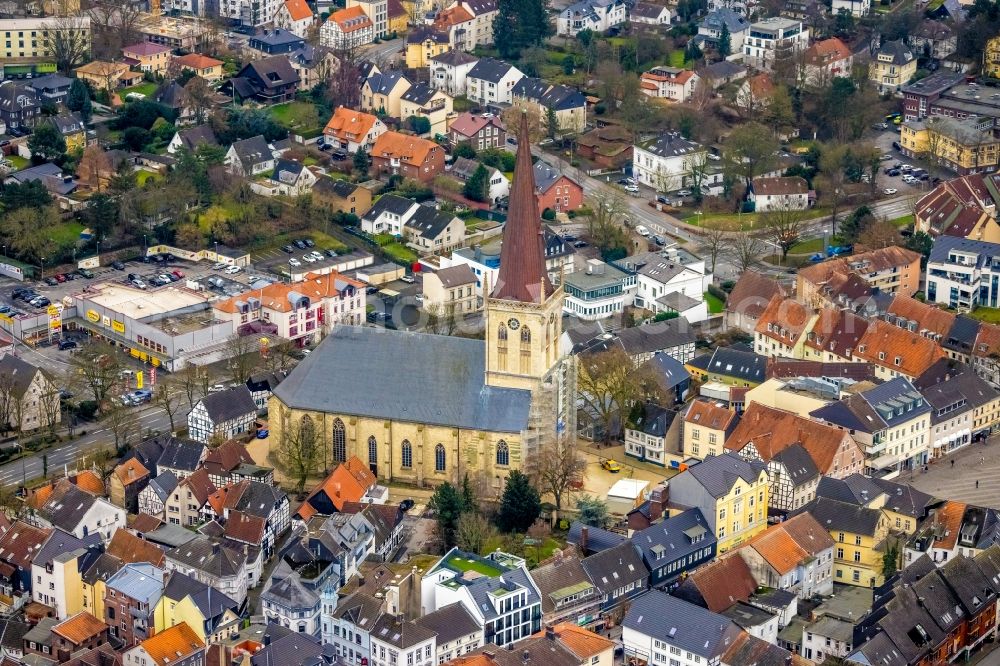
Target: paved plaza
(977, 462)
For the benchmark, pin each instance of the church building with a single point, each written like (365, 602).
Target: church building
(423, 408)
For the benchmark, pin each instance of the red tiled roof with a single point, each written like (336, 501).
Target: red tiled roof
(780, 185)
(752, 293)
(709, 414)
(348, 483)
(21, 542)
(783, 320)
(197, 61)
(928, 317)
(895, 348)
(298, 10)
(785, 545)
(80, 627)
(130, 549)
(723, 582)
(245, 528)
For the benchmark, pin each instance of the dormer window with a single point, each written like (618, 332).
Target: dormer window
(881, 356)
(898, 360)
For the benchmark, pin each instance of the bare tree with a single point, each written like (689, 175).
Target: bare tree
(344, 85)
(696, 168)
(242, 354)
(713, 240)
(833, 180)
(122, 424)
(50, 409)
(605, 223)
(96, 367)
(192, 386)
(558, 468)
(8, 397)
(169, 397)
(299, 451)
(474, 532)
(70, 42)
(200, 98)
(609, 384)
(880, 234)
(514, 115)
(783, 224)
(103, 461)
(744, 249)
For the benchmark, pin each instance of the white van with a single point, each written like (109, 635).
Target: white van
(642, 231)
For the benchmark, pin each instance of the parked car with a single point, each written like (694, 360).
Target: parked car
(301, 244)
(287, 248)
(138, 284)
(308, 258)
(611, 466)
(178, 274)
(662, 199)
(683, 193)
(659, 240)
(40, 302)
(60, 278)
(67, 344)
(889, 190)
(117, 265)
(51, 281)
(232, 270)
(642, 231)
(581, 243)
(632, 189)
(294, 262)
(409, 279)
(309, 242)
(406, 505)
(331, 253)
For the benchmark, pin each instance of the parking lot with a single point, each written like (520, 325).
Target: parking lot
(884, 142)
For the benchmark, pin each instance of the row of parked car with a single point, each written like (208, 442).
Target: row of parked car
(29, 296)
(136, 397)
(156, 280)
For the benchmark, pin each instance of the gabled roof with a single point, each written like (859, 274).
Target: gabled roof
(783, 320)
(384, 83)
(752, 293)
(490, 69)
(140, 581)
(710, 415)
(680, 623)
(854, 489)
(899, 52)
(335, 187)
(449, 622)
(18, 373)
(406, 148)
(197, 61)
(616, 567)
(867, 262)
(557, 576)
(131, 471)
(674, 538)
(836, 331)
(80, 628)
(290, 593)
(245, 528)
(347, 483)
(298, 10)
(779, 186)
(926, 317)
(227, 456)
(719, 584)
(399, 633)
(907, 352)
(744, 365)
(253, 151)
(230, 404)
(597, 539)
(350, 124)
(557, 97)
(145, 49)
(20, 544)
(455, 276)
(469, 124)
(211, 558)
(129, 548)
(843, 517)
(718, 474)
(172, 644)
(199, 484)
(788, 544)
(772, 430)
(826, 51)
(351, 19)
(163, 485)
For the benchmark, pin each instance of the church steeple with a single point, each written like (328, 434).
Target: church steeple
(522, 275)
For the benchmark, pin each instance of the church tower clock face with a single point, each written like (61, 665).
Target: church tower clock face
(513, 324)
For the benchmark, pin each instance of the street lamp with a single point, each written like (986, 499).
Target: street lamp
(144, 245)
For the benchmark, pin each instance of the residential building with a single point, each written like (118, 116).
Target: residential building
(76, 635)
(178, 645)
(423, 101)
(781, 328)
(108, 76)
(497, 185)
(289, 603)
(566, 590)
(250, 157)
(503, 599)
(341, 196)
(648, 13)
(897, 352)
(921, 96)
(130, 599)
(492, 81)
(964, 146)
(671, 280)
(748, 300)
(347, 625)
(893, 66)
(772, 39)
(126, 483)
(484, 13)
(275, 42)
(655, 436)
(891, 270)
(555, 190)
(33, 396)
(710, 27)
(289, 178)
(351, 130)
(56, 571)
(676, 85)
(456, 24)
(481, 131)
(733, 367)
(826, 60)
(28, 44)
(389, 215)
(619, 575)
(207, 68)
(963, 410)
(430, 231)
(380, 93)
(78, 512)
(72, 128)
(187, 505)
(794, 555)
(719, 585)
(599, 291)
(858, 533)
(569, 104)
(351, 481)
(666, 162)
(152, 498)
(266, 81)
(377, 11)
(347, 29)
(731, 492)
(191, 138)
(18, 546)
(593, 15)
(659, 627)
(239, 503)
(456, 632)
(210, 614)
(964, 207)
(891, 422)
(707, 425)
(934, 39)
(781, 193)
(181, 457)
(766, 434)
(222, 415)
(216, 565)
(449, 71)
(295, 16)
(675, 547)
(961, 273)
(408, 156)
(450, 291)
(51, 87)
(424, 43)
(148, 57)
(856, 8)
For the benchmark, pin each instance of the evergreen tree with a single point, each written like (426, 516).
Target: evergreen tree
(464, 149)
(448, 505)
(551, 123)
(520, 24)
(520, 505)
(79, 100)
(361, 162)
(477, 187)
(468, 495)
(725, 41)
(47, 142)
(593, 511)
(693, 52)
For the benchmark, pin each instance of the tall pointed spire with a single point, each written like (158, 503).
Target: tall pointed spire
(522, 275)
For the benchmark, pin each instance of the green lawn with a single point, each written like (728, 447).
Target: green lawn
(479, 566)
(904, 221)
(808, 246)
(461, 104)
(18, 162)
(989, 315)
(146, 89)
(297, 116)
(68, 232)
(399, 253)
(323, 241)
(677, 58)
(542, 552)
(217, 213)
(144, 177)
(715, 304)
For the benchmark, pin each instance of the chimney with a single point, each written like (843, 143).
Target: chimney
(584, 533)
(216, 548)
(131, 473)
(550, 632)
(267, 640)
(657, 499)
(526, 655)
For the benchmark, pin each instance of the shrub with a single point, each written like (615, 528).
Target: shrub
(86, 409)
(717, 292)
(548, 214)
(664, 316)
